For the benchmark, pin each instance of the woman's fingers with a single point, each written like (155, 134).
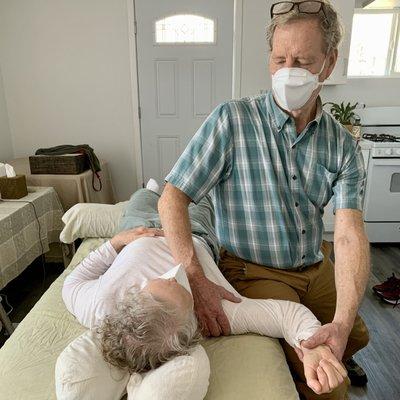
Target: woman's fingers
(330, 371)
(338, 366)
(323, 380)
(312, 379)
(155, 231)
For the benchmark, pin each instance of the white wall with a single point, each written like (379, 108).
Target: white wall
(6, 150)
(374, 92)
(67, 76)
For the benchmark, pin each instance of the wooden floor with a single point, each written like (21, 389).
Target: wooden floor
(381, 359)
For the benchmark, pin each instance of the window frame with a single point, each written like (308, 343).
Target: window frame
(394, 42)
(164, 16)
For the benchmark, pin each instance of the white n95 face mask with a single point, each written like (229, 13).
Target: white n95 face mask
(179, 274)
(293, 87)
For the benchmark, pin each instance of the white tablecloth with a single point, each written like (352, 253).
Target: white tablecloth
(19, 230)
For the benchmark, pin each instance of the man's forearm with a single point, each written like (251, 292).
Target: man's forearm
(174, 215)
(352, 266)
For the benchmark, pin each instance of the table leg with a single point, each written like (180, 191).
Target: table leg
(5, 320)
(68, 251)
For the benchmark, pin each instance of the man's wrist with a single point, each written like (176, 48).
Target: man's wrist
(194, 272)
(344, 325)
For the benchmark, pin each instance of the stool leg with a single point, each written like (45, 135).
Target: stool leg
(5, 320)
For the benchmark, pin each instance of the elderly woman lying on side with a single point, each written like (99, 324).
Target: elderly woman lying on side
(144, 320)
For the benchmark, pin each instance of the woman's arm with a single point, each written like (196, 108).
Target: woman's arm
(275, 318)
(79, 289)
(295, 323)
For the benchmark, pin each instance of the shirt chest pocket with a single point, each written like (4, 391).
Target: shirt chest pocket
(319, 187)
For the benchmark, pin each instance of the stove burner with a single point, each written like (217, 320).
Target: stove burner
(373, 137)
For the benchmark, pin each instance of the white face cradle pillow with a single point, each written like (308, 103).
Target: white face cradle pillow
(81, 373)
(183, 378)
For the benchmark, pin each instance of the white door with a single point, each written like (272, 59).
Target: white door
(185, 58)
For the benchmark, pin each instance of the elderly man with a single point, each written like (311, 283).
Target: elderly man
(273, 162)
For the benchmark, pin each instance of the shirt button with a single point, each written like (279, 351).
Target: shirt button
(303, 231)
(294, 177)
(296, 204)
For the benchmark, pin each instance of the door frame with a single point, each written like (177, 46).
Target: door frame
(236, 76)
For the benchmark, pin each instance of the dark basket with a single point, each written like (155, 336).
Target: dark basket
(68, 164)
(13, 188)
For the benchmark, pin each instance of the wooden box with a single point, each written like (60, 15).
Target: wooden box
(13, 188)
(67, 164)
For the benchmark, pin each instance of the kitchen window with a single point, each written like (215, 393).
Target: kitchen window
(375, 44)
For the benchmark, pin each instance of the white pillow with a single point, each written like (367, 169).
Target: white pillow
(82, 374)
(183, 378)
(85, 220)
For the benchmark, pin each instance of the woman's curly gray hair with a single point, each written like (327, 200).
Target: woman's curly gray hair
(145, 332)
(331, 27)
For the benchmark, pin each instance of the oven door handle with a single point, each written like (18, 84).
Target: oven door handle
(386, 161)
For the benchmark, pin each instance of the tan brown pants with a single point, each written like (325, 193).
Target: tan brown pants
(314, 287)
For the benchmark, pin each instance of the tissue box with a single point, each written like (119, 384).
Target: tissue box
(67, 164)
(13, 188)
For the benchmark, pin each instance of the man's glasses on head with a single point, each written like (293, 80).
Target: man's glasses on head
(304, 7)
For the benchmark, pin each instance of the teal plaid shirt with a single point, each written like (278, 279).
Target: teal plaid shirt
(270, 185)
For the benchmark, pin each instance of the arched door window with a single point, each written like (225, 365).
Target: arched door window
(184, 28)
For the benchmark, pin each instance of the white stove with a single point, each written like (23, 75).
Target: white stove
(386, 149)
(381, 143)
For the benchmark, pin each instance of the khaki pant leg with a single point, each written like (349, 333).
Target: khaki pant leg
(321, 300)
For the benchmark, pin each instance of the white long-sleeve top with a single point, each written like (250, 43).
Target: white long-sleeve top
(98, 283)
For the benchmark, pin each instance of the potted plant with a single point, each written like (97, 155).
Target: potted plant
(344, 113)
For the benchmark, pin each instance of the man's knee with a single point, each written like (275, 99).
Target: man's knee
(339, 393)
(268, 289)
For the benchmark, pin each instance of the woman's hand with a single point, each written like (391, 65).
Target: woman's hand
(322, 370)
(121, 239)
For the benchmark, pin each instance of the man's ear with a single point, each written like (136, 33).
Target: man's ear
(331, 62)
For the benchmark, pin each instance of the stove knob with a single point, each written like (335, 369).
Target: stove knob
(397, 152)
(388, 152)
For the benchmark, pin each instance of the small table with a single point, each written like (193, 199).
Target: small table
(71, 189)
(27, 227)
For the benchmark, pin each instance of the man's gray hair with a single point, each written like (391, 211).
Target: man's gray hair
(331, 27)
(145, 332)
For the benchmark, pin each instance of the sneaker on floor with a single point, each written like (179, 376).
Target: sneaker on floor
(153, 185)
(391, 296)
(391, 282)
(356, 374)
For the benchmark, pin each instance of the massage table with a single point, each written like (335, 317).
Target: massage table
(246, 367)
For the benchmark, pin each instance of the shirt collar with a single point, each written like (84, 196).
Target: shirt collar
(280, 117)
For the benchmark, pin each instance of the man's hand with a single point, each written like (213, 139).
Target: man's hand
(121, 239)
(207, 298)
(333, 335)
(322, 370)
